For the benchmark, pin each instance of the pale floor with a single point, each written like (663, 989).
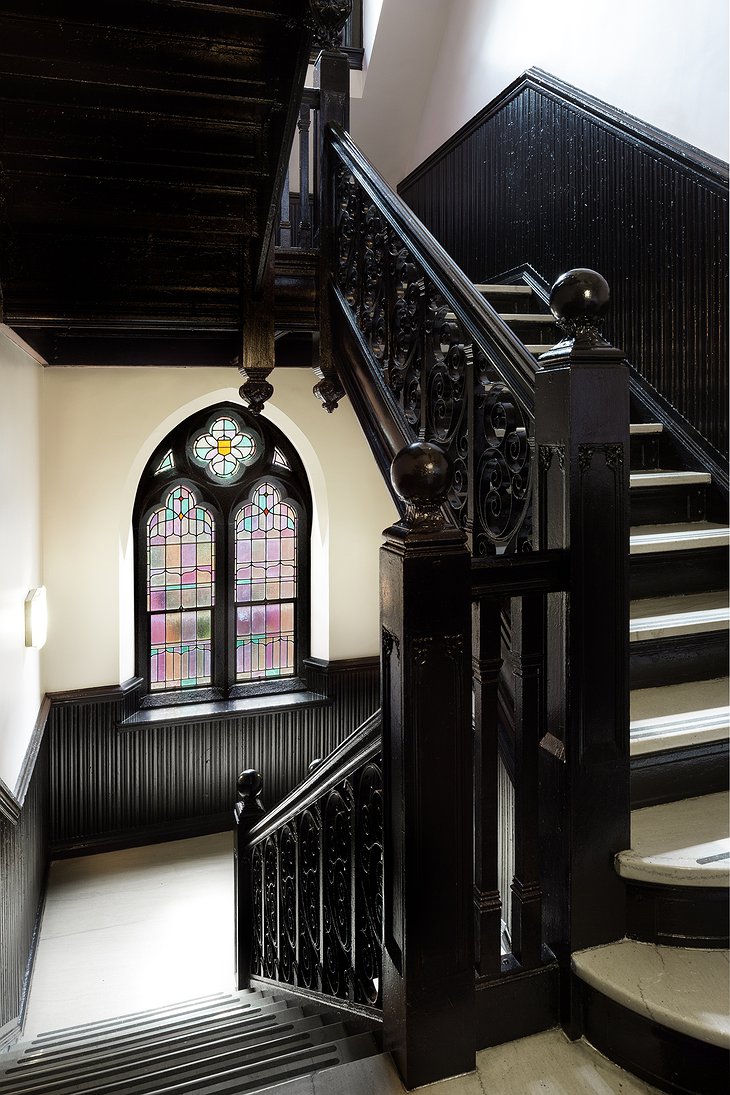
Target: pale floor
(140, 928)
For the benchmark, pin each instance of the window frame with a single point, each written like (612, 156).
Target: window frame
(223, 500)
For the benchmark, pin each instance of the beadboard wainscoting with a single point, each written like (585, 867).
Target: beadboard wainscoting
(547, 175)
(121, 776)
(23, 868)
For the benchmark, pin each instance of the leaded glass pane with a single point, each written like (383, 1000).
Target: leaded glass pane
(265, 585)
(226, 449)
(167, 462)
(180, 591)
(280, 459)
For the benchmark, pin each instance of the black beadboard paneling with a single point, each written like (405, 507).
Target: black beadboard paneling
(550, 176)
(23, 866)
(112, 785)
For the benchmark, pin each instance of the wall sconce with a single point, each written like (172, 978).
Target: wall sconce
(36, 618)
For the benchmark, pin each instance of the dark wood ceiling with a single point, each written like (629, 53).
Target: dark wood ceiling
(140, 147)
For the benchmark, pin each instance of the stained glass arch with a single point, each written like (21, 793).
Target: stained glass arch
(222, 560)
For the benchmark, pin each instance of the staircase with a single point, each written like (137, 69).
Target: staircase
(250, 1041)
(658, 1002)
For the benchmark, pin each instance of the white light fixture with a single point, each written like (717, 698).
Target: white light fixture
(36, 618)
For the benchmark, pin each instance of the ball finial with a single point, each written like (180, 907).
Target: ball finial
(421, 476)
(578, 299)
(250, 784)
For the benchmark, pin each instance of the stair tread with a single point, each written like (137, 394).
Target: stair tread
(539, 347)
(664, 477)
(360, 1077)
(684, 843)
(176, 1011)
(679, 715)
(662, 617)
(505, 290)
(685, 989)
(535, 318)
(639, 428)
(646, 539)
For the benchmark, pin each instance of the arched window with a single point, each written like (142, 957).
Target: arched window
(222, 522)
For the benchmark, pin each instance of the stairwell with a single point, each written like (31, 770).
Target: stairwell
(664, 993)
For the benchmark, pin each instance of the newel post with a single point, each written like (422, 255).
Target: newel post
(428, 960)
(247, 812)
(582, 505)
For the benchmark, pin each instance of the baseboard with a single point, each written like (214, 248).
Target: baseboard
(137, 838)
(517, 1005)
(30, 965)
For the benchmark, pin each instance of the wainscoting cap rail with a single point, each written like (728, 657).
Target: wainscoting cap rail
(507, 353)
(363, 744)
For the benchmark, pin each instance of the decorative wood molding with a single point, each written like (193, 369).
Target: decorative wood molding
(11, 803)
(107, 693)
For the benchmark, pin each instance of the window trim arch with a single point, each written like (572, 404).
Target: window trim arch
(224, 498)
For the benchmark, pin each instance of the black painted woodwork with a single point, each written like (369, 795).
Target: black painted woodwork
(517, 1006)
(582, 436)
(23, 869)
(428, 958)
(678, 916)
(670, 1060)
(143, 149)
(678, 658)
(658, 200)
(112, 786)
(692, 571)
(672, 774)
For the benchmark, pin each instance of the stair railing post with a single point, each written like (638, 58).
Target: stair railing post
(332, 78)
(428, 960)
(582, 505)
(247, 812)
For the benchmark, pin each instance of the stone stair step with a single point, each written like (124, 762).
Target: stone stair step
(679, 715)
(684, 990)
(695, 535)
(638, 429)
(685, 843)
(661, 477)
(665, 617)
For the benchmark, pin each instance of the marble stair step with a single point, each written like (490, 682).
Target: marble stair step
(685, 990)
(537, 348)
(529, 319)
(679, 715)
(685, 843)
(661, 477)
(695, 535)
(664, 617)
(495, 290)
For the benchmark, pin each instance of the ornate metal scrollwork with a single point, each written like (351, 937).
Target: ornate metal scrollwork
(441, 376)
(337, 854)
(317, 892)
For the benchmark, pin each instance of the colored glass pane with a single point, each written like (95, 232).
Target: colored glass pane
(226, 449)
(167, 462)
(280, 459)
(180, 591)
(265, 585)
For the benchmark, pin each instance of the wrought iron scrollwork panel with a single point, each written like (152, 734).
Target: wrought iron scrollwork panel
(442, 377)
(317, 892)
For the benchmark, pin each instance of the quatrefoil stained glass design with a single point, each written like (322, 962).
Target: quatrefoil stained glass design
(226, 449)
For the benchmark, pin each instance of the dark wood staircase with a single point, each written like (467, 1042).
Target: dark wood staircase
(250, 1041)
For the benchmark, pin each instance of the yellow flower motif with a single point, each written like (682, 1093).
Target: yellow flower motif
(225, 448)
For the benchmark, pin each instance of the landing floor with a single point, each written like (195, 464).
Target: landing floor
(140, 928)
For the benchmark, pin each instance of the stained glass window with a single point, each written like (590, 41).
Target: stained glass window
(280, 459)
(180, 591)
(265, 585)
(226, 449)
(167, 462)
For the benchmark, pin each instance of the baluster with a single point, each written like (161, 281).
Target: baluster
(305, 223)
(486, 664)
(247, 812)
(284, 215)
(428, 961)
(526, 659)
(582, 433)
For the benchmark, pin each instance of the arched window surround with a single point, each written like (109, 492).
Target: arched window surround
(224, 498)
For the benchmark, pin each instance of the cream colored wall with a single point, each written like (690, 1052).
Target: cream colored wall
(433, 64)
(20, 549)
(101, 426)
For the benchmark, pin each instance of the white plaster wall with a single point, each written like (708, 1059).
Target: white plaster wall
(661, 60)
(103, 424)
(20, 549)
